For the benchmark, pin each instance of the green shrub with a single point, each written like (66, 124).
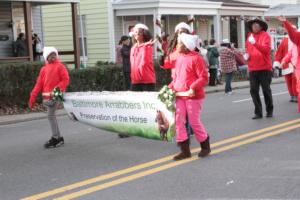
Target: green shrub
(18, 79)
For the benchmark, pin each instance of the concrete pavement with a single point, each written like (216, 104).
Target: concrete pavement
(11, 119)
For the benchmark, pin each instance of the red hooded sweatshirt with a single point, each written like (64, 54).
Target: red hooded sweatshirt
(260, 52)
(190, 72)
(54, 75)
(142, 70)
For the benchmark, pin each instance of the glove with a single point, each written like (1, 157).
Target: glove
(251, 39)
(246, 56)
(31, 102)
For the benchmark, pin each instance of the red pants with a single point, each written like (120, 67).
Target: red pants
(297, 75)
(291, 83)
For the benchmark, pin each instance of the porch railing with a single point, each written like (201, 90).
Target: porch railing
(27, 58)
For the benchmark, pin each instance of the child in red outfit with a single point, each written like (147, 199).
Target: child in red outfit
(190, 77)
(53, 75)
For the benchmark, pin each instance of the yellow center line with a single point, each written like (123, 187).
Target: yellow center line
(148, 164)
(170, 165)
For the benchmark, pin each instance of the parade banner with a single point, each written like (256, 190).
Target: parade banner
(133, 113)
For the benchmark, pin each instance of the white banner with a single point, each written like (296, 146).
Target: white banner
(132, 113)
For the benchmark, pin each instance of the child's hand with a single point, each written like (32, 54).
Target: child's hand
(31, 103)
(191, 93)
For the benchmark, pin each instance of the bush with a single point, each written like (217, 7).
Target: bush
(18, 79)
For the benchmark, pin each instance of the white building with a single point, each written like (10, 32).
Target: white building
(213, 18)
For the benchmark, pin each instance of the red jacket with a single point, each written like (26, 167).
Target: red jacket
(281, 52)
(190, 73)
(295, 38)
(54, 75)
(260, 52)
(142, 70)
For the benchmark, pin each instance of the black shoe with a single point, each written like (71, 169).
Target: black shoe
(257, 117)
(269, 115)
(54, 142)
(123, 136)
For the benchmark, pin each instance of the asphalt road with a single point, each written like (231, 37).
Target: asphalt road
(261, 168)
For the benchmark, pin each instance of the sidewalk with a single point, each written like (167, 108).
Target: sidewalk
(12, 119)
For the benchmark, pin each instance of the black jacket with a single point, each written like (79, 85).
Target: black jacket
(125, 52)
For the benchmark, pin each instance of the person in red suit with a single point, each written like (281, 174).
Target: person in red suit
(295, 38)
(287, 69)
(52, 75)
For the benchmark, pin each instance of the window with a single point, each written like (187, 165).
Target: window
(81, 21)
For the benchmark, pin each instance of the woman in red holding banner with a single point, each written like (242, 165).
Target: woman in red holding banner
(141, 55)
(53, 75)
(190, 77)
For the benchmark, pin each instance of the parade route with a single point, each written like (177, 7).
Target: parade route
(247, 160)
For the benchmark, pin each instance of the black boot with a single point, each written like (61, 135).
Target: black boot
(205, 148)
(185, 151)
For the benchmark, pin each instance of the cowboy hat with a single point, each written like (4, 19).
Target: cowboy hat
(262, 24)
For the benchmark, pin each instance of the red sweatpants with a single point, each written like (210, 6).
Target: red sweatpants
(291, 83)
(297, 74)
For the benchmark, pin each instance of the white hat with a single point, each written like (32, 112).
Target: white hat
(183, 25)
(226, 41)
(48, 50)
(136, 28)
(189, 41)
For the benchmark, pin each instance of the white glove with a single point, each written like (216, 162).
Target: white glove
(251, 39)
(246, 56)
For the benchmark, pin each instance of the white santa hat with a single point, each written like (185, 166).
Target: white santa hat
(183, 25)
(136, 29)
(189, 41)
(48, 50)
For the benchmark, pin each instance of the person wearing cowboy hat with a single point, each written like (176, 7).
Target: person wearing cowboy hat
(258, 47)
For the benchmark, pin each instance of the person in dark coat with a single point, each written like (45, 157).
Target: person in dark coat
(125, 53)
(20, 47)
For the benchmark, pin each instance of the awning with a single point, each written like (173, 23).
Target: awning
(288, 10)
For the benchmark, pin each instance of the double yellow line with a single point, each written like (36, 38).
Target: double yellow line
(162, 164)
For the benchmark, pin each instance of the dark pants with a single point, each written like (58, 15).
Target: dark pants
(127, 80)
(143, 87)
(263, 79)
(228, 80)
(212, 76)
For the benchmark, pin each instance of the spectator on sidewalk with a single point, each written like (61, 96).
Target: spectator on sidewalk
(228, 64)
(213, 60)
(258, 47)
(52, 75)
(125, 53)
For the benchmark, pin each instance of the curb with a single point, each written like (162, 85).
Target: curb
(33, 118)
(28, 119)
(239, 87)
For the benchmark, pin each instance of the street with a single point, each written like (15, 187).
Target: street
(251, 159)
